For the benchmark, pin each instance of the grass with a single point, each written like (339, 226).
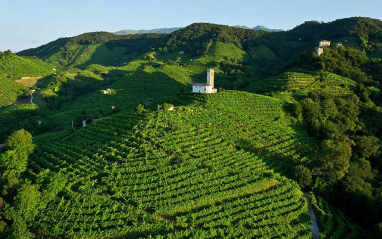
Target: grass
(28, 82)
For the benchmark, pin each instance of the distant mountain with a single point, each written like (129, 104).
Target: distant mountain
(242, 27)
(159, 30)
(172, 29)
(263, 28)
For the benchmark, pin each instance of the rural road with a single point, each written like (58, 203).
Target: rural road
(314, 226)
(32, 99)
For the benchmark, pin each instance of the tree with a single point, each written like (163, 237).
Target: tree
(140, 109)
(20, 146)
(23, 210)
(333, 160)
(9, 183)
(11, 159)
(366, 146)
(303, 175)
(28, 202)
(21, 140)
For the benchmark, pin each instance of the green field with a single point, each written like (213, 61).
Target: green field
(300, 84)
(134, 167)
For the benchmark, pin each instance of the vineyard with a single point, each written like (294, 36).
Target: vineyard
(210, 169)
(9, 91)
(300, 84)
(16, 66)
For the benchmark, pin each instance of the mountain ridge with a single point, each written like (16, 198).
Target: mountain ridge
(169, 30)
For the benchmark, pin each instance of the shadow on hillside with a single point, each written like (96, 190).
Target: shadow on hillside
(372, 118)
(117, 52)
(283, 158)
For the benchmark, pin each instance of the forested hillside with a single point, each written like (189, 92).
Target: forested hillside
(287, 129)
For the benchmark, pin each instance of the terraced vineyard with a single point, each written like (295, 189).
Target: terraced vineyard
(302, 83)
(180, 174)
(9, 91)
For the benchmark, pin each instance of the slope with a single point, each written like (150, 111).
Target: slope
(300, 84)
(9, 91)
(142, 31)
(180, 173)
(94, 48)
(15, 66)
(360, 32)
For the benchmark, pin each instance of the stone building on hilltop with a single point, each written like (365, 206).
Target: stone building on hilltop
(319, 50)
(321, 45)
(206, 87)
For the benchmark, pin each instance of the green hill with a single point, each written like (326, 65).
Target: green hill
(229, 190)
(142, 31)
(15, 66)
(360, 32)
(94, 48)
(204, 170)
(9, 91)
(300, 84)
(235, 164)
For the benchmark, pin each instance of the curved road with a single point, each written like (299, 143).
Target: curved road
(314, 226)
(32, 99)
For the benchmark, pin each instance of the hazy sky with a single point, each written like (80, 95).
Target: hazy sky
(31, 23)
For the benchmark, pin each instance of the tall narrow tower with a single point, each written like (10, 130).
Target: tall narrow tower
(211, 77)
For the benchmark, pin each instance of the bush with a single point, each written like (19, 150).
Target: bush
(167, 106)
(140, 109)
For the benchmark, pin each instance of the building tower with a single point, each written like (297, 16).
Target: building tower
(211, 77)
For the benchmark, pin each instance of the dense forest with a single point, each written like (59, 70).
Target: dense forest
(287, 130)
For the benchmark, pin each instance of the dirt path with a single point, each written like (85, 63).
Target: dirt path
(32, 99)
(314, 226)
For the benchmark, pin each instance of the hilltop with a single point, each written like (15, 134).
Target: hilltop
(173, 29)
(13, 66)
(142, 31)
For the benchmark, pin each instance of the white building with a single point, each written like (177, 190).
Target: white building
(323, 43)
(206, 87)
(319, 50)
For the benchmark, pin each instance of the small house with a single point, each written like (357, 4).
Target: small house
(319, 50)
(324, 43)
(106, 92)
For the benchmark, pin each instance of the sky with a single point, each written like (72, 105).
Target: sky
(30, 23)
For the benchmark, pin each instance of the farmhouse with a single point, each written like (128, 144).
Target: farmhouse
(106, 92)
(319, 50)
(206, 87)
(323, 43)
